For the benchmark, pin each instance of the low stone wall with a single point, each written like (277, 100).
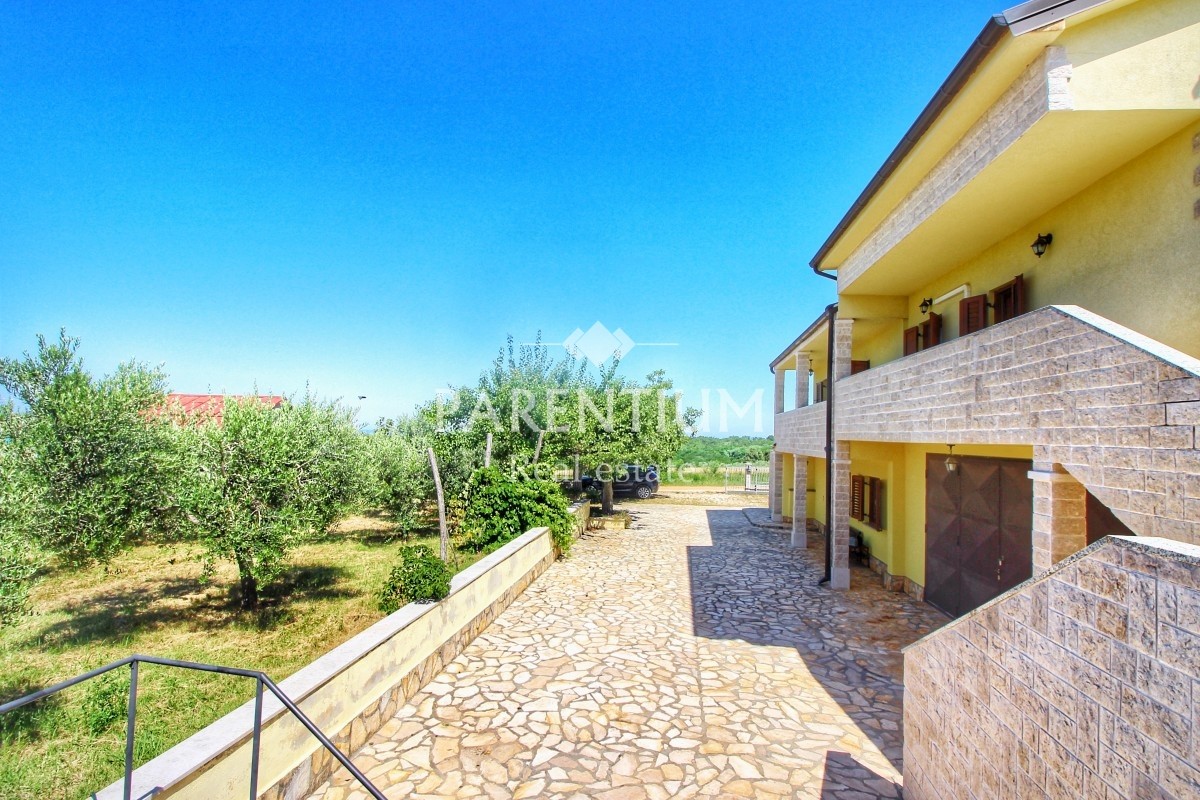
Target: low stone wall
(1084, 682)
(351, 691)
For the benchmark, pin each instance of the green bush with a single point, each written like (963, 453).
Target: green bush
(499, 509)
(105, 700)
(421, 577)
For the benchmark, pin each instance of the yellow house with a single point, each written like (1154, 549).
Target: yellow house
(1014, 348)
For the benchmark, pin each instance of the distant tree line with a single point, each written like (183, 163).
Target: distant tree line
(725, 450)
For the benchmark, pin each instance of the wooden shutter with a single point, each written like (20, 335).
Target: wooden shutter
(931, 331)
(911, 340)
(875, 503)
(856, 496)
(1009, 299)
(859, 366)
(972, 314)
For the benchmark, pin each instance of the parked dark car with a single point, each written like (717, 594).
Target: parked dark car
(630, 479)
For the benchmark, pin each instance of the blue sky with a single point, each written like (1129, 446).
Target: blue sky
(368, 198)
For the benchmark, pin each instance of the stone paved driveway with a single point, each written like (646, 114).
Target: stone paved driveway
(689, 656)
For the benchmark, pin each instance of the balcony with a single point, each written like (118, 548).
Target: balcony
(1065, 381)
(801, 431)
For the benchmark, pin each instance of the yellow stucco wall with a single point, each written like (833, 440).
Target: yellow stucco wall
(816, 481)
(1127, 248)
(900, 544)
(1139, 56)
(886, 462)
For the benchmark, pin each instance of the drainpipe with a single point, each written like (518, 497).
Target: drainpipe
(830, 316)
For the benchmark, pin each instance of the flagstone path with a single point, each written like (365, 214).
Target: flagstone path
(692, 655)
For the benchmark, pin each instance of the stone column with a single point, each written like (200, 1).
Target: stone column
(1059, 515)
(776, 499)
(799, 499)
(803, 364)
(779, 373)
(839, 574)
(842, 342)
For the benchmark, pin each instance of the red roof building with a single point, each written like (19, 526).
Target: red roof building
(212, 406)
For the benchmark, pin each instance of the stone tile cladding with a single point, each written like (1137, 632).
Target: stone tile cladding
(1082, 683)
(801, 431)
(1041, 88)
(1117, 410)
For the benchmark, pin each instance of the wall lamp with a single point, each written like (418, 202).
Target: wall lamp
(951, 460)
(1041, 243)
(926, 304)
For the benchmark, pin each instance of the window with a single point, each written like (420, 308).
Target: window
(874, 503)
(924, 335)
(1008, 301)
(931, 331)
(912, 340)
(972, 314)
(856, 497)
(866, 500)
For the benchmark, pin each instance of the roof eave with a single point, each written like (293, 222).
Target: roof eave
(808, 332)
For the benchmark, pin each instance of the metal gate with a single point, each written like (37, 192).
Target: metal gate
(978, 530)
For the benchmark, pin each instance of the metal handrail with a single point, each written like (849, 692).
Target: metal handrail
(261, 680)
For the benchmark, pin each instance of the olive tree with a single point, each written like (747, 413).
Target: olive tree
(263, 480)
(594, 416)
(92, 455)
(399, 470)
(18, 552)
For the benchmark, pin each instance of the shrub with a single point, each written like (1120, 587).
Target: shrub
(499, 509)
(421, 577)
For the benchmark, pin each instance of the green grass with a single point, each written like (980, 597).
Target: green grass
(705, 475)
(152, 601)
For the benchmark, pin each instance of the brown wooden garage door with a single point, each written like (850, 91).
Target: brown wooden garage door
(978, 530)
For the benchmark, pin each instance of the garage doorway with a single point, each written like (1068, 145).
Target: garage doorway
(978, 530)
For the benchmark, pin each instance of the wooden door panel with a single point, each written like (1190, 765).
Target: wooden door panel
(1016, 524)
(977, 530)
(979, 503)
(942, 573)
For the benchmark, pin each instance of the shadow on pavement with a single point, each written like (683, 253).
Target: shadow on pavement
(752, 586)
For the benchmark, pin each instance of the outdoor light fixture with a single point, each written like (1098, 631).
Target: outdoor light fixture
(1041, 243)
(951, 460)
(926, 304)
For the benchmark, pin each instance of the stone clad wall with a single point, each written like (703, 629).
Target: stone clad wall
(1118, 410)
(801, 431)
(1082, 683)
